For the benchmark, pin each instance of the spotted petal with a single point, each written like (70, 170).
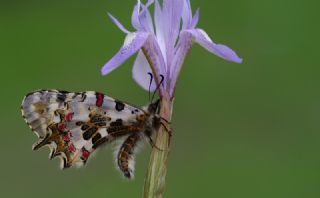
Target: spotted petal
(202, 38)
(134, 41)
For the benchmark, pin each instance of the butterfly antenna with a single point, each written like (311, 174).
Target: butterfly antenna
(151, 79)
(158, 86)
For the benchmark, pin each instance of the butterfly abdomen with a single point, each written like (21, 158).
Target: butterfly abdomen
(125, 156)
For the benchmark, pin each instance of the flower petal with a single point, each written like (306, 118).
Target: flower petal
(202, 38)
(146, 19)
(186, 15)
(160, 31)
(195, 19)
(183, 46)
(149, 2)
(171, 17)
(133, 42)
(118, 24)
(140, 71)
(135, 16)
(153, 53)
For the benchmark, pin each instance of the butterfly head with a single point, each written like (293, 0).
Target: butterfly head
(154, 108)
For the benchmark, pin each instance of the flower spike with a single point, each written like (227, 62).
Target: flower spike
(163, 43)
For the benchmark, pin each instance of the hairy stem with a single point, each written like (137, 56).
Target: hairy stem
(155, 179)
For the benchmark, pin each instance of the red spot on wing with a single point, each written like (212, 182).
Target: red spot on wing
(100, 97)
(72, 148)
(67, 137)
(69, 117)
(85, 154)
(61, 126)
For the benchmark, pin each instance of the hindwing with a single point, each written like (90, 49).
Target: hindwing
(73, 125)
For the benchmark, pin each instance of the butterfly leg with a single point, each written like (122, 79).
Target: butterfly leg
(166, 126)
(153, 145)
(165, 120)
(148, 134)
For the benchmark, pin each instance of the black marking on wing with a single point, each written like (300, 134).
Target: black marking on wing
(100, 142)
(84, 127)
(89, 133)
(96, 138)
(119, 105)
(98, 118)
(61, 97)
(118, 122)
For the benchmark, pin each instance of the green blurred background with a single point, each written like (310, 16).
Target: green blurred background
(250, 130)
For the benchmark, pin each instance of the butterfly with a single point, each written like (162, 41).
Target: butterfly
(74, 125)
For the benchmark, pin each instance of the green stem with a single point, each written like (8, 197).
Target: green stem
(155, 179)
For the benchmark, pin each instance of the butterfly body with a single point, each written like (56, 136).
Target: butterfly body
(74, 125)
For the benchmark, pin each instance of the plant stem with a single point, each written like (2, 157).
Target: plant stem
(155, 179)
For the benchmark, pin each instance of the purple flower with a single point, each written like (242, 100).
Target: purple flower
(163, 43)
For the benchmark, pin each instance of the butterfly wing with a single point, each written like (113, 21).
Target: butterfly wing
(73, 125)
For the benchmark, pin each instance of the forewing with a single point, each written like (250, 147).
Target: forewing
(73, 125)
